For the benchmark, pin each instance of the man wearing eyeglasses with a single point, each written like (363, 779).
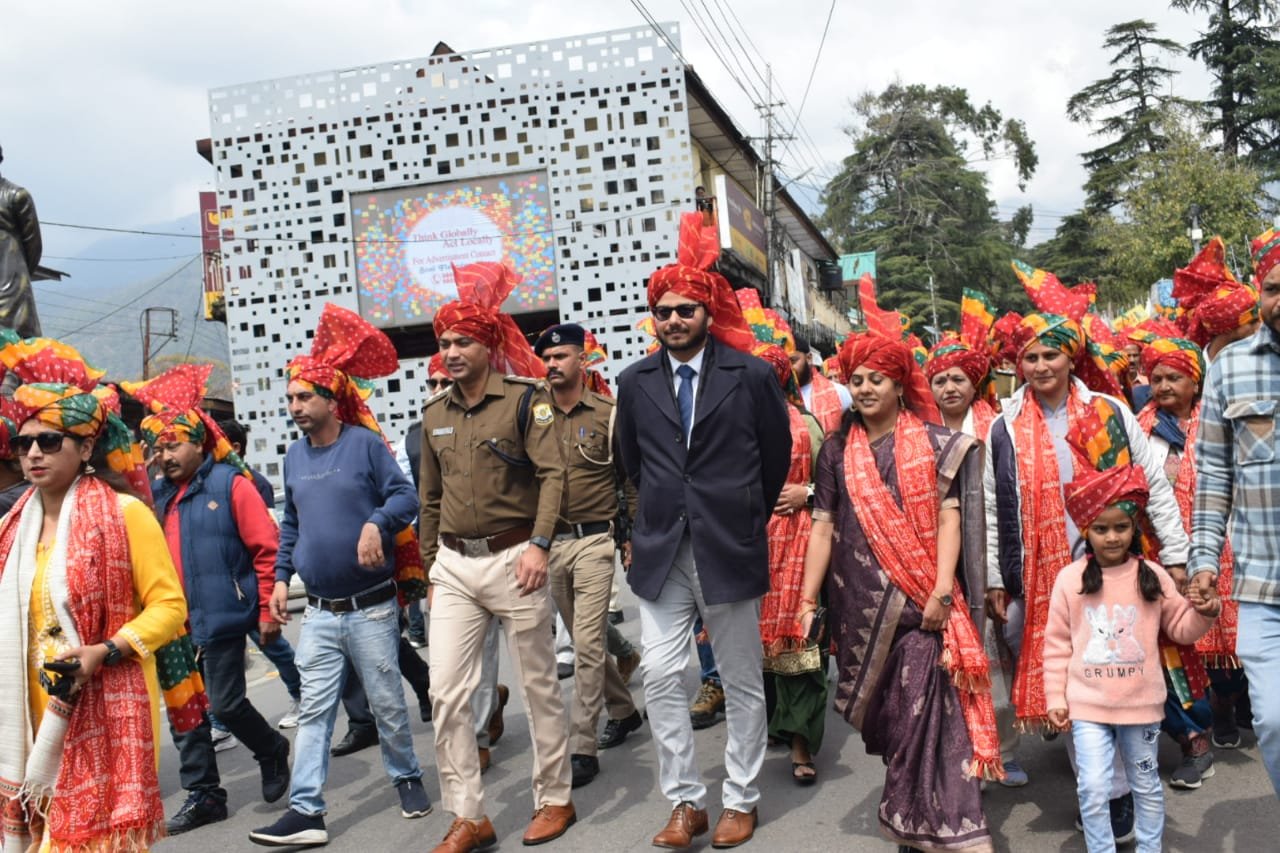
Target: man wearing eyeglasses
(581, 565)
(704, 435)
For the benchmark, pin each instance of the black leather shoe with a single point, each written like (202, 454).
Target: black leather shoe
(200, 809)
(585, 768)
(275, 772)
(354, 741)
(616, 731)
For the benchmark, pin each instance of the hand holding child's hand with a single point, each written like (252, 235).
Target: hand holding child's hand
(1205, 602)
(1058, 719)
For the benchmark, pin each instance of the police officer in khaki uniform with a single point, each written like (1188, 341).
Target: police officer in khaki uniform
(491, 483)
(582, 554)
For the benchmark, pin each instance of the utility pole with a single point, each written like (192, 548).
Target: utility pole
(768, 193)
(1196, 234)
(933, 310)
(158, 331)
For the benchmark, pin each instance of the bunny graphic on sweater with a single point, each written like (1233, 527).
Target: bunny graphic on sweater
(1124, 626)
(1099, 649)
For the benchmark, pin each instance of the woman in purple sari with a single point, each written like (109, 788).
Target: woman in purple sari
(903, 571)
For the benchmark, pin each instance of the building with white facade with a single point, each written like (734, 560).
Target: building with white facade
(571, 158)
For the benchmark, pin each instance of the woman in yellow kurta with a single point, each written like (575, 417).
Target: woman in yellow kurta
(90, 606)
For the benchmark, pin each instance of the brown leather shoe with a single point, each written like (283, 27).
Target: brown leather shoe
(686, 822)
(734, 828)
(496, 724)
(465, 836)
(484, 759)
(549, 823)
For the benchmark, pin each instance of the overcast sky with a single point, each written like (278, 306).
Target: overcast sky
(102, 102)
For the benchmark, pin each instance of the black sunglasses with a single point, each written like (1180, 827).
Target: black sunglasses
(439, 383)
(686, 310)
(50, 442)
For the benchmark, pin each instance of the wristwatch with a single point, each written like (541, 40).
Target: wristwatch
(541, 541)
(114, 655)
(808, 497)
(945, 600)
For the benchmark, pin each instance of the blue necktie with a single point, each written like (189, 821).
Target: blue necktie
(684, 396)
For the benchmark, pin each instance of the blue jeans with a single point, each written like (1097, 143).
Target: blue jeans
(1096, 746)
(417, 622)
(1258, 647)
(370, 639)
(706, 658)
(280, 653)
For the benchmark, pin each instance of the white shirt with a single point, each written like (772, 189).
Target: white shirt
(696, 364)
(846, 399)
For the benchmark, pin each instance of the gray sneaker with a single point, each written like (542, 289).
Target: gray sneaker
(1192, 770)
(413, 798)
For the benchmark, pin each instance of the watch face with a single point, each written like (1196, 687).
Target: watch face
(946, 600)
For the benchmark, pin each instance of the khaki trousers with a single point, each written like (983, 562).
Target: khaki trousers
(468, 592)
(581, 576)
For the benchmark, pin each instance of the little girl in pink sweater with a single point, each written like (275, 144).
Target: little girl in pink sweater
(1102, 672)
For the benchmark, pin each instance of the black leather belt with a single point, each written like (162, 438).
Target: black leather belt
(359, 601)
(487, 546)
(582, 531)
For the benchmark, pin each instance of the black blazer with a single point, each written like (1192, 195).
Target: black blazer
(722, 488)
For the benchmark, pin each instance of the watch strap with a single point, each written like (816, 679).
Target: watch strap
(114, 655)
(541, 541)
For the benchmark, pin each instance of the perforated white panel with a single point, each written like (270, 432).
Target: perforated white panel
(603, 115)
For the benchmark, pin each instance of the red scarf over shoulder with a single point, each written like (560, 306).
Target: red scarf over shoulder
(905, 544)
(108, 795)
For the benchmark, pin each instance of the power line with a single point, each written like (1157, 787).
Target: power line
(813, 70)
(112, 260)
(137, 298)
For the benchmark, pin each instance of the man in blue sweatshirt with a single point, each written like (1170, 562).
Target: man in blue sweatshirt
(344, 500)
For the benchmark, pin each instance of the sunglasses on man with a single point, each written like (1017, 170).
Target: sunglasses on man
(49, 442)
(686, 310)
(439, 384)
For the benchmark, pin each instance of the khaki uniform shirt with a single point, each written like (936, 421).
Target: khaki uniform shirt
(480, 476)
(593, 470)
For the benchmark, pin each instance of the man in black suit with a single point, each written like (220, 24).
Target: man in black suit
(704, 435)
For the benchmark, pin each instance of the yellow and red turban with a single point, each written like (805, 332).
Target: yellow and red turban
(8, 426)
(1175, 353)
(831, 367)
(697, 249)
(1265, 249)
(1216, 303)
(1092, 492)
(1051, 330)
(61, 391)
(1002, 337)
(894, 360)
(596, 355)
(174, 399)
(477, 314)
(346, 353)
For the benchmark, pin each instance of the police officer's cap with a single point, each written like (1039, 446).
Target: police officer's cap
(565, 334)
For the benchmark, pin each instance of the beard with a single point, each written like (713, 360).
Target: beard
(804, 374)
(695, 340)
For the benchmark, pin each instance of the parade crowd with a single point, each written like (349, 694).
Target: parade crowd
(1047, 525)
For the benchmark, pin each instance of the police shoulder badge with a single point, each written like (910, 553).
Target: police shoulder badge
(542, 414)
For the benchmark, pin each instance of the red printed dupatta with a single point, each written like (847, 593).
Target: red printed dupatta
(905, 544)
(1219, 645)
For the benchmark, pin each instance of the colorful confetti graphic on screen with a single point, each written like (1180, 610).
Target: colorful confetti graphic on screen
(406, 240)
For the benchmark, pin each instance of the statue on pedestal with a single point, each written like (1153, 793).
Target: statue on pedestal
(20, 250)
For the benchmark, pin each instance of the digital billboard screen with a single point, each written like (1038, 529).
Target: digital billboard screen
(408, 238)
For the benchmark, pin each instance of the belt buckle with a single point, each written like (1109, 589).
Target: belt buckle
(475, 547)
(578, 532)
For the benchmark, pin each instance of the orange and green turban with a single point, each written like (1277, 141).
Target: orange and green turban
(777, 358)
(1265, 249)
(174, 399)
(1092, 492)
(80, 408)
(1175, 353)
(346, 353)
(1216, 303)
(1051, 330)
